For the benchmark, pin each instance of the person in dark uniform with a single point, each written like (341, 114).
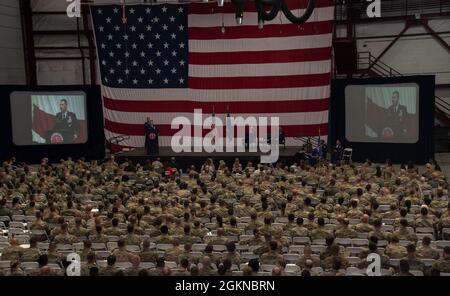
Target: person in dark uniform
(66, 121)
(323, 149)
(396, 118)
(337, 152)
(281, 137)
(151, 137)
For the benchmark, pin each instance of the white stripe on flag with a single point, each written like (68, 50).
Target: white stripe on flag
(213, 95)
(260, 44)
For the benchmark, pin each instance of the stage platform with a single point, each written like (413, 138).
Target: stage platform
(185, 159)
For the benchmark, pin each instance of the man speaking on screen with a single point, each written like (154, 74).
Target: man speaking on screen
(396, 118)
(66, 121)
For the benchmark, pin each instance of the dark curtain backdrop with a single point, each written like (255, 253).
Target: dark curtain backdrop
(94, 148)
(418, 152)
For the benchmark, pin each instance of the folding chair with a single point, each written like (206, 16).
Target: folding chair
(219, 248)
(64, 247)
(39, 233)
(111, 246)
(394, 262)
(354, 260)
(346, 242)
(249, 256)
(245, 219)
(347, 155)
(78, 246)
(211, 225)
(163, 247)
(291, 258)
(5, 264)
(30, 219)
(19, 218)
(5, 219)
(242, 248)
(170, 264)
(22, 239)
(404, 243)
(292, 268)
(266, 267)
(98, 246)
(18, 225)
(3, 245)
(382, 243)
(389, 221)
(147, 265)
(205, 220)
(281, 220)
(296, 249)
(29, 265)
(425, 230)
(354, 250)
(384, 208)
(242, 225)
(416, 272)
(198, 247)
(102, 263)
(300, 240)
(317, 249)
(123, 265)
(354, 271)
(442, 244)
(113, 238)
(357, 242)
(102, 254)
(428, 262)
(15, 231)
(319, 241)
(133, 248)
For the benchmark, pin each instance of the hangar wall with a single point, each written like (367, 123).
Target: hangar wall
(12, 68)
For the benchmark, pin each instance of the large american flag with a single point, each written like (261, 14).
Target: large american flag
(168, 59)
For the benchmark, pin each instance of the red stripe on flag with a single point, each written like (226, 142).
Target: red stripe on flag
(208, 8)
(166, 130)
(287, 30)
(273, 106)
(260, 57)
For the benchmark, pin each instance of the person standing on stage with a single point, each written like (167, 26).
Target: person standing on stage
(323, 149)
(338, 151)
(151, 137)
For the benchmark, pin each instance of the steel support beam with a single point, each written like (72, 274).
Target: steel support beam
(436, 36)
(407, 26)
(85, 12)
(28, 42)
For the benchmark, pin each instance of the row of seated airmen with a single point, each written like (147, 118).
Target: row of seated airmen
(269, 250)
(263, 209)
